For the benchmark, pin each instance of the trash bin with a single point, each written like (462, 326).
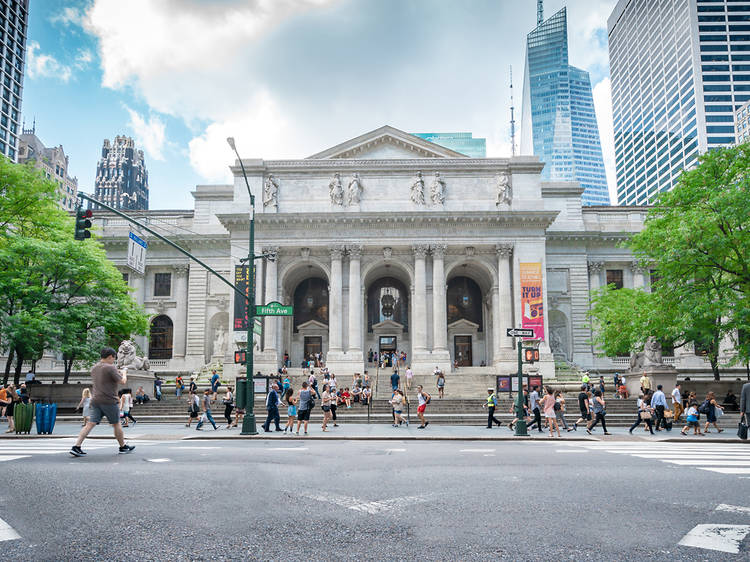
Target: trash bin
(23, 415)
(46, 414)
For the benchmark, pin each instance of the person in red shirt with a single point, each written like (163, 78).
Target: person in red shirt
(347, 397)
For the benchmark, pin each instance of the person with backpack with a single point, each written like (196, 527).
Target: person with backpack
(206, 411)
(560, 411)
(228, 406)
(179, 386)
(215, 384)
(692, 416)
(313, 383)
(599, 411)
(712, 410)
(305, 403)
(491, 404)
(193, 407)
(423, 398)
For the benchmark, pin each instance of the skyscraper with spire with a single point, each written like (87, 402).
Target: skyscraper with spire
(558, 122)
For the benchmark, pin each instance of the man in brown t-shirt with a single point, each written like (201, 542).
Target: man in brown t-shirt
(104, 403)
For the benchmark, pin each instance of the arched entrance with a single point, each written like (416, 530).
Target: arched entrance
(160, 338)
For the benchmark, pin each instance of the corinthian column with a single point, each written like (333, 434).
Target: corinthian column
(180, 323)
(271, 286)
(419, 315)
(335, 298)
(595, 281)
(502, 306)
(439, 307)
(355, 301)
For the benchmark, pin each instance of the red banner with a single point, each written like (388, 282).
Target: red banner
(532, 308)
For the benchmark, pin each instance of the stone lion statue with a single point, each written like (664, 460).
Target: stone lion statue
(126, 357)
(650, 356)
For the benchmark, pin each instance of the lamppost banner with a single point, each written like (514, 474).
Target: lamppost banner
(532, 309)
(242, 282)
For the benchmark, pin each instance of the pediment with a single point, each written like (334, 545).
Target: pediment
(386, 143)
(311, 325)
(463, 325)
(387, 326)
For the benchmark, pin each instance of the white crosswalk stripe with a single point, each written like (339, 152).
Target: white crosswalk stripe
(25, 448)
(721, 458)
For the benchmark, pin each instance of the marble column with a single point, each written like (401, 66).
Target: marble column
(419, 314)
(639, 280)
(504, 300)
(271, 287)
(335, 298)
(355, 300)
(180, 323)
(595, 280)
(439, 306)
(138, 282)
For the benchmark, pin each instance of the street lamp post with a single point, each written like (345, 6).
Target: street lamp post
(521, 419)
(248, 422)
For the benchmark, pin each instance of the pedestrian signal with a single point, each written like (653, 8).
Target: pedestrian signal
(531, 355)
(83, 224)
(240, 356)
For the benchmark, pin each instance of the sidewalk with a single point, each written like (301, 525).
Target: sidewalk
(349, 431)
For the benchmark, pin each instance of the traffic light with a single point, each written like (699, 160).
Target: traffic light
(531, 355)
(240, 356)
(83, 224)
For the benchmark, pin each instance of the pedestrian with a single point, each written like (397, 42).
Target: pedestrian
(157, 389)
(85, 405)
(313, 383)
(645, 383)
(600, 412)
(534, 408)
(616, 382)
(549, 403)
(305, 405)
(194, 407)
(560, 411)
(601, 384)
(179, 386)
(206, 402)
(585, 379)
(10, 404)
(193, 387)
(291, 409)
(644, 415)
(423, 399)
(677, 402)
(712, 410)
(272, 407)
(4, 400)
(228, 406)
(441, 384)
(398, 407)
(692, 416)
(745, 403)
(215, 384)
(325, 406)
(525, 405)
(659, 404)
(409, 377)
(334, 399)
(491, 404)
(126, 404)
(105, 378)
(395, 379)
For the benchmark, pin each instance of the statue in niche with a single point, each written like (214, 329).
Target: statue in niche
(355, 190)
(438, 190)
(220, 342)
(336, 190)
(504, 190)
(270, 191)
(417, 189)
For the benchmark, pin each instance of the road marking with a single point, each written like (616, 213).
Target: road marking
(194, 448)
(732, 508)
(287, 449)
(372, 507)
(571, 451)
(724, 538)
(395, 450)
(157, 460)
(701, 462)
(7, 533)
(477, 450)
(4, 458)
(726, 470)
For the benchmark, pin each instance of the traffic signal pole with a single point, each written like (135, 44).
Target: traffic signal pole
(521, 421)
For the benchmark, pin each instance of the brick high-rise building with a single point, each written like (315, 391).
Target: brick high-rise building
(121, 176)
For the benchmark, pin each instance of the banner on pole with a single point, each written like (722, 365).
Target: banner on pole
(242, 281)
(532, 308)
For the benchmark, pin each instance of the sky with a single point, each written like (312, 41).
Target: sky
(286, 78)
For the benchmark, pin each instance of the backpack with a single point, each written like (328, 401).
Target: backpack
(557, 406)
(427, 398)
(705, 407)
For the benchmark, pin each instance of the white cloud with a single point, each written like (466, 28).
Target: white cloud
(39, 65)
(83, 58)
(149, 134)
(68, 16)
(603, 106)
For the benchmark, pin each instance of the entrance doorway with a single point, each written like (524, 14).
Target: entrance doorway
(313, 347)
(462, 351)
(387, 346)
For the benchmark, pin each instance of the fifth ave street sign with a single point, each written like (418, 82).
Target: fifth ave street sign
(519, 332)
(273, 309)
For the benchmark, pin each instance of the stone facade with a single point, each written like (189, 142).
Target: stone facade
(436, 279)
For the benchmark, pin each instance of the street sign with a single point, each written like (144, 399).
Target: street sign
(273, 309)
(519, 332)
(137, 253)
(257, 326)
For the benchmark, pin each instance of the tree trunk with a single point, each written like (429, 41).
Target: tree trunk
(715, 366)
(19, 366)
(68, 368)
(8, 363)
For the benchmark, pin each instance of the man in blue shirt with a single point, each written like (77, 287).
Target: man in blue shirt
(272, 406)
(215, 385)
(395, 380)
(534, 407)
(659, 404)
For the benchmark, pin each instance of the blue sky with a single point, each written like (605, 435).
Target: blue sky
(287, 78)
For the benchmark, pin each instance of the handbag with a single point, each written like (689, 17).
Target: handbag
(645, 415)
(742, 428)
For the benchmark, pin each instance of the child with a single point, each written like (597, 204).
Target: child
(85, 403)
(692, 420)
(126, 403)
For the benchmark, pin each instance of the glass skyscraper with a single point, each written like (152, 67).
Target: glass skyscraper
(679, 70)
(558, 121)
(14, 18)
(460, 142)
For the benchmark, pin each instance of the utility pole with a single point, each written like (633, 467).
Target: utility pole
(512, 118)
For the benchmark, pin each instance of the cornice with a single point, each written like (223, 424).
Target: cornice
(589, 236)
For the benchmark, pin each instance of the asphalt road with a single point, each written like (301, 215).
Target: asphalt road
(374, 500)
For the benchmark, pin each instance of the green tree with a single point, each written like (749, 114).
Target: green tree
(55, 292)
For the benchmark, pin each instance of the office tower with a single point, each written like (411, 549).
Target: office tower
(14, 17)
(460, 142)
(679, 70)
(742, 123)
(53, 162)
(121, 176)
(558, 122)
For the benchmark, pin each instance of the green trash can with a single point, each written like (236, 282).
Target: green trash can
(23, 416)
(241, 394)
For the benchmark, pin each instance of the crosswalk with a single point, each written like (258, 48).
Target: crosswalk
(722, 458)
(13, 450)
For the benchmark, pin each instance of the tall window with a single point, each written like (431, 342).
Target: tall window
(160, 339)
(162, 284)
(125, 277)
(614, 277)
